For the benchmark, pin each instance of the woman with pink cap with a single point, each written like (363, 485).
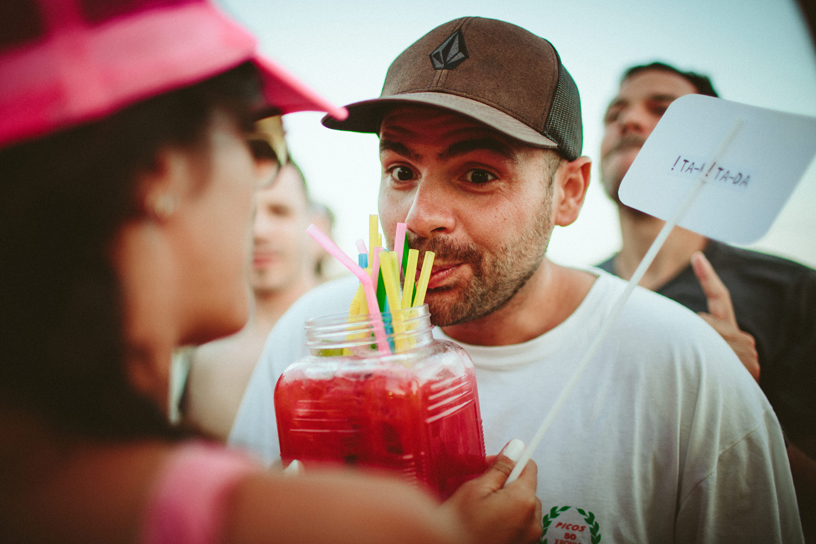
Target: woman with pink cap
(123, 167)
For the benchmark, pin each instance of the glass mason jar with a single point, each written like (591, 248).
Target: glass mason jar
(414, 410)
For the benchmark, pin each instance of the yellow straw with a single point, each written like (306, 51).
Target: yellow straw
(387, 262)
(396, 266)
(391, 283)
(357, 307)
(410, 278)
(424, 276)
(408, 287)
(356, 302)
(373, 236)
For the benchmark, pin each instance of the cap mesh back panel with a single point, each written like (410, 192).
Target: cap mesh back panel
(564, 122)
(20, 22)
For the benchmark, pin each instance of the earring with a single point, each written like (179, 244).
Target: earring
(164, 205)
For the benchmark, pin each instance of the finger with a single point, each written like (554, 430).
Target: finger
(722, 327)
(534, 528)
(525, 486)
(717, 295)
(733, 336)
(731, 333)
(294, 468)
(497, 473)
(528, 476)
(743, 343)
(537, 528)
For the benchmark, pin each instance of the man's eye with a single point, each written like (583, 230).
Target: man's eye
(610, 117)
(401, 173)
(479, 177)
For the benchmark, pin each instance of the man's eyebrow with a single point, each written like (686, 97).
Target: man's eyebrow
(663, 98)
(480, 144)
(651, 98)
(398, 148)
(616, 102)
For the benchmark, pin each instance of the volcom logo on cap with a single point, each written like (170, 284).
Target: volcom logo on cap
(451, 53)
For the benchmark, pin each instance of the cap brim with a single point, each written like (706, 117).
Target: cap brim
(284, 93)
(49, 86)
(367, 115)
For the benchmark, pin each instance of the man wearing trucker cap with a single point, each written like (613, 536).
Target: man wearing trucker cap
(665, 438)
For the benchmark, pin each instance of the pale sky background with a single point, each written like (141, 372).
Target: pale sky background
(757, 52)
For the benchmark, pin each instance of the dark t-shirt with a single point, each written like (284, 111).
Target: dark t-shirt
(775, 301)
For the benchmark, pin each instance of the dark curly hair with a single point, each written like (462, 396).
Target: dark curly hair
(700, 82)
(63, 198)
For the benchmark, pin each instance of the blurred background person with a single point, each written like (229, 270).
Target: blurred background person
(763, 306)
(285, 264)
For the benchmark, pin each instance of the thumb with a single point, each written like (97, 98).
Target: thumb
(497, 473)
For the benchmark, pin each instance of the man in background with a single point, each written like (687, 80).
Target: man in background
(285, 265)
(763, 306)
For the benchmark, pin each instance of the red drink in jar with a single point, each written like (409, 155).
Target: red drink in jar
(415, 412)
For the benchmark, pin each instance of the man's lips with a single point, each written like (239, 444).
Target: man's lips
(628, 143)
(442, 273)
(260, 260)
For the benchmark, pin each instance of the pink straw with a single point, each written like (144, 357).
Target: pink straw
(365, 279)
(375, 268)
(361, 246)
(399, 243)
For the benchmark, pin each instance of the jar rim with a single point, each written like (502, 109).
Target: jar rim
(406, 314)
(409, 326)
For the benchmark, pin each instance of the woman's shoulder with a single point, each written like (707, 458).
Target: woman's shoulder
(191, 493)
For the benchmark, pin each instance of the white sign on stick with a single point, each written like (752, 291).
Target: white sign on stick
(747, 186)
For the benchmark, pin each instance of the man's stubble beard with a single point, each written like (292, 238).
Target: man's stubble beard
(623, 209)
(634, 141)
(270, 283)
(497, 277)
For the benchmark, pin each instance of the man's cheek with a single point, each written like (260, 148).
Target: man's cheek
(392, 211)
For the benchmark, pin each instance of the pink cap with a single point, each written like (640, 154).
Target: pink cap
(75, 61)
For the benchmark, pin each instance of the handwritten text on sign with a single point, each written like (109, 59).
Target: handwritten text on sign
(685, 165)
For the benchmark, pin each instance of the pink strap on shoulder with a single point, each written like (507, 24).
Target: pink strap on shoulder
(189, 503)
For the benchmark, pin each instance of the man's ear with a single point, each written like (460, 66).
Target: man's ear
(572, 182)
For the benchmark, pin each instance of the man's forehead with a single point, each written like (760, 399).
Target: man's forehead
(652, 83)
(288, 185)
(419, 120)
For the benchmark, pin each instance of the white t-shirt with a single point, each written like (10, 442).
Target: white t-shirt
(665, 438)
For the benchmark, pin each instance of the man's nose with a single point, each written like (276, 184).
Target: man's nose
(432, 211)
(632, 120)
(261, 225)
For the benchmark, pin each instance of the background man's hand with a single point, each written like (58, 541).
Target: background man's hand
(496, 514)
(721, 314)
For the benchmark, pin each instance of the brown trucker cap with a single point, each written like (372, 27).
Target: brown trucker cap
(492, 71)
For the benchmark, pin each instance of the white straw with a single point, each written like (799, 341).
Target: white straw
(613, 314)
